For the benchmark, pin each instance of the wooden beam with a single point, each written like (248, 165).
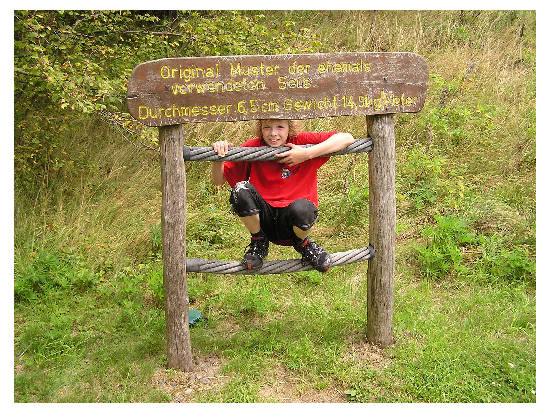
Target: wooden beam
(297, 86)
(380, 283)
(173, 247)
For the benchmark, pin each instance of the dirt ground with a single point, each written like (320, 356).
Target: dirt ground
(280, 385)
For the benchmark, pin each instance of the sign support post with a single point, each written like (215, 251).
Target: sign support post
(173, 247)
(380, 273)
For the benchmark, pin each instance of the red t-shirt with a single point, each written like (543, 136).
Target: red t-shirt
(277, 183)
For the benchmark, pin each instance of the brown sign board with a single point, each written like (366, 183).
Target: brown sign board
(233, 88)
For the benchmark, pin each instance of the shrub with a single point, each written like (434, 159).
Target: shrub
(442, 253)
(48, 271)
(156, 284)
(419, 178)
(492, 260)
(500, 263)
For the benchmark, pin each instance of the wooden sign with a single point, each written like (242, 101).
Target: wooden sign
(232, 88)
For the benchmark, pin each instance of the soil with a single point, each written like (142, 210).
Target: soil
(281, 385)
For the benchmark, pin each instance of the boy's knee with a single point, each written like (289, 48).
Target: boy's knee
(241, 188)
(303, 213)
(242, 199)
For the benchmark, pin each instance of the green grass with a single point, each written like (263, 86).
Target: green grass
(89, 322)
(469, 350)
(454, 342)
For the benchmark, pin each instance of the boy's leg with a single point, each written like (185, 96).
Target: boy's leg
(248, 204)
(296, 219)
(302, 214)
(252, 223)
(301, 234)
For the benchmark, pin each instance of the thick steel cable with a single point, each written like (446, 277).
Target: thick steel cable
(262, 153)
(275, 267)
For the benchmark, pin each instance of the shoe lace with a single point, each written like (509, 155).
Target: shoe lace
(256, 246)
(311, 250)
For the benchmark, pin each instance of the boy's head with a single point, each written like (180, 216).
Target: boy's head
(275, 132)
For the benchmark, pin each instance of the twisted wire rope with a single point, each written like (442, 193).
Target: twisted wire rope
(262, 153)
(277, 266)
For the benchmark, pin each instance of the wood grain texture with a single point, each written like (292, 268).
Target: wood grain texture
(173, 248)
(232, 88)
(382, 219)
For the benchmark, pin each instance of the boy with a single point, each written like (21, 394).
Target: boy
(277, 200)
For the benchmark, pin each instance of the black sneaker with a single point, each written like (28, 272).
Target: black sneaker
(255, 253)
(313, 254)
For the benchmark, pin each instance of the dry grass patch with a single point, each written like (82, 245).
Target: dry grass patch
(184, 387)
(368, 355)
(284, 386)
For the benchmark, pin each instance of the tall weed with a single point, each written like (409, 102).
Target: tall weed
(501, 263)
(442, 254)
(51, 270)
(452, 248)
(419, 179)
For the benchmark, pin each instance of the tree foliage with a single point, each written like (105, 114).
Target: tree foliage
(74, 64)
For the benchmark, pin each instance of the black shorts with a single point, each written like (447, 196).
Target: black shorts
(275, 222)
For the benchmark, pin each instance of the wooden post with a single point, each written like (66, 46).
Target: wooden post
(380, 283)
(173, 247)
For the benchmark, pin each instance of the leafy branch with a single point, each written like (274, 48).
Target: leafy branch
(73, 64)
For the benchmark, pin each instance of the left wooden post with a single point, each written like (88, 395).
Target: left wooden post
(176, 299)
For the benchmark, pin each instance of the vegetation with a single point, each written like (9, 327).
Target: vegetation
(88, 301)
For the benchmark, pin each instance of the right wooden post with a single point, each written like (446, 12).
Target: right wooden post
(382, 218)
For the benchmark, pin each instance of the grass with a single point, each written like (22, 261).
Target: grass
(88, 301)
(454, 343)
(77, 346)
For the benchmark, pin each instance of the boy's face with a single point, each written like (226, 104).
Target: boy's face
(275, 132)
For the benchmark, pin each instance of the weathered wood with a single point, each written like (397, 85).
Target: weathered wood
(380, 273)
(173, 247)
(231, 88)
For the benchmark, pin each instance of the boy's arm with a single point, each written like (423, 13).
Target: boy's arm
(221, 148)
(298, 154)
(217, 173)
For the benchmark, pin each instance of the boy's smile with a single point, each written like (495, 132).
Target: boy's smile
(275, 132)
